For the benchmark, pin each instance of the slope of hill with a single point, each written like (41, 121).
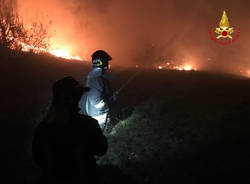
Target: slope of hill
(190, 127)
(186, 126)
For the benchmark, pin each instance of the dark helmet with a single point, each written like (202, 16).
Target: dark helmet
(101, 59)
(67, 90)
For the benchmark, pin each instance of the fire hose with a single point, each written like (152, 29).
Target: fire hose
(117, 92)
(125, 84)
(128, 81)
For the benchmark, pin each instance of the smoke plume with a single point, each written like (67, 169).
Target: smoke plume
(140, 31)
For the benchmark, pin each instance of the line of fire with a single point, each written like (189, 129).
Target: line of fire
(33, 35)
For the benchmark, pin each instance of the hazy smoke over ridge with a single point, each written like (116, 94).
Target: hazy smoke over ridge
(139, 31)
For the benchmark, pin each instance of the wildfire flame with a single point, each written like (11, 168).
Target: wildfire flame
(187, 67)
(245, 73)
(61, 53)
(160, 67)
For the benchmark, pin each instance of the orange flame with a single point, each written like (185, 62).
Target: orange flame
(64, 54)
(61, 53)
(187, 67)
(160, 67)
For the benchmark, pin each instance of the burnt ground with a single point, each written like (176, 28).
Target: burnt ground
(207, 115)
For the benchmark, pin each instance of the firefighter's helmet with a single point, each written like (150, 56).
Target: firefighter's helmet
(101, 59)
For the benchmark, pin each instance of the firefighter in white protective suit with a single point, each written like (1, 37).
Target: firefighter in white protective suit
(97, 102)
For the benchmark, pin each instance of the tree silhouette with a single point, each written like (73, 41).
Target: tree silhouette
(14, 35)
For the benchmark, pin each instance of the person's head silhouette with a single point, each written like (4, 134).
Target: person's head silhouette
(67, 92)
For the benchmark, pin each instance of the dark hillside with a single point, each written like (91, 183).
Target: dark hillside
(28, 78)
(186, 126)
(190, 127)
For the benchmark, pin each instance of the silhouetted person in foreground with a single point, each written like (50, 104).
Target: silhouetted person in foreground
(65, 142)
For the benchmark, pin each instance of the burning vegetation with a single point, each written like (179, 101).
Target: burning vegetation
(82, 22)
(15, 35)
(166, 63)
(172, 66)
